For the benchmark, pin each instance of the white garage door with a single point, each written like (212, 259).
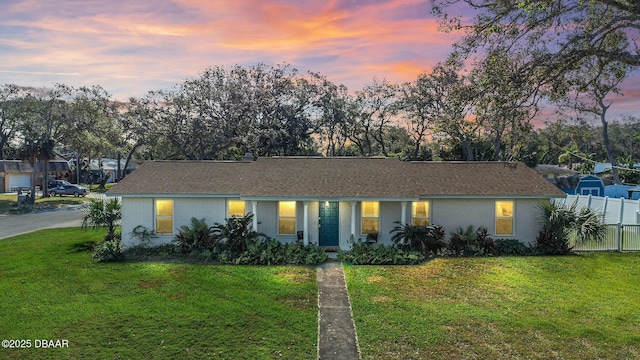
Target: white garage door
(17, 180)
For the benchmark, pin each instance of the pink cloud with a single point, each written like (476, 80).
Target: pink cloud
(137, 42)
(131, 47)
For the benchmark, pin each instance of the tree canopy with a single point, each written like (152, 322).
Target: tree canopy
(556, 35)
(454, 112)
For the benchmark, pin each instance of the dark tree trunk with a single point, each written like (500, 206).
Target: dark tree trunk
(607, 144)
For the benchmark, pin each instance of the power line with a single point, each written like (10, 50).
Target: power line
(596, 162)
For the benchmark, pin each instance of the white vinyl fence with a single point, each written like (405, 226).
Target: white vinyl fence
(619, 238)
(622, 217)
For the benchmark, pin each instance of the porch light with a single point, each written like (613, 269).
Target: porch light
(326, 204)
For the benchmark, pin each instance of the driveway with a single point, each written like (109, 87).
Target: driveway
(12, 225)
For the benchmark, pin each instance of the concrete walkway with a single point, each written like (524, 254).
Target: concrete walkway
(336, 331)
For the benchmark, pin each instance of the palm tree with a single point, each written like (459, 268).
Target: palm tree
(46, 152)
(103, 213)
(424, 239)
(561, 223)
(197, 236)
(236, 233)
(32, 151)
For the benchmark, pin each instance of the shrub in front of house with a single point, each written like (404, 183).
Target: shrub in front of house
(560, 223)
(198, 236)
(272, 252)
(232, 242)
(471, 242)
(427, 240)
(512, 247)
(105, 214)
(108, 251)
(362, 253)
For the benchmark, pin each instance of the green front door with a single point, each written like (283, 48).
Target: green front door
(329, 224)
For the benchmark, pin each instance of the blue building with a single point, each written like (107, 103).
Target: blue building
(580, 184)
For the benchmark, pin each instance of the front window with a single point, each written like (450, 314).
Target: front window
(370, 217)
(236, 208)
(164, 216)
(420, 213)
(504, 217)
(287, 217)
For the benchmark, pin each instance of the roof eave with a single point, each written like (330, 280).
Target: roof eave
(492, 196)
(170, 195)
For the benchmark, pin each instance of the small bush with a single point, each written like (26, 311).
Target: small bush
(273, 252)
(108, 251)
(484, 243)
(236, 235)
(362, 253)
(548, 242)
(470, 242)
(511, 247)
(198, 236)
(312, 256)
(427, 240)
(143, 234)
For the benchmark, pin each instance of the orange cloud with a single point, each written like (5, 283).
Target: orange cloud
(354, 43)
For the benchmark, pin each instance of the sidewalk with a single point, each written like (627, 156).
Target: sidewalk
(337, 337)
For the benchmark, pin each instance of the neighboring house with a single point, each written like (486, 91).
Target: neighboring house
(634, 194)
(618, 191)
(580, 184)
(16, 174)
(110, 169)
(328, 201)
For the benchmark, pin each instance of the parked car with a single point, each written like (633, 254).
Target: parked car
(56, 183)
(69, 189)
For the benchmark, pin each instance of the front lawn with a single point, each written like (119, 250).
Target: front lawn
(51, 290)
(572, 307)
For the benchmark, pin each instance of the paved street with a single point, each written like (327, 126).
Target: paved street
(12, 225)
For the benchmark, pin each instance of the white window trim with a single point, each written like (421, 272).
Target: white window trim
(156, 216)
(512, 217)
(428, 211)
(589, 190)
(295, 218)
(228, 208)
(362, 217)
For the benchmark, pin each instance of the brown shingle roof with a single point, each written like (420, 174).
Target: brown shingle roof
(14, 166)
(315, 177)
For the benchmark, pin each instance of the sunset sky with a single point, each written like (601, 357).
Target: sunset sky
(131, 47)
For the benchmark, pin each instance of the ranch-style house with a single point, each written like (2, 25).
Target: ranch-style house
(329, 201)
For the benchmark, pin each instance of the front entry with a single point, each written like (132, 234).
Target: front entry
(329, 224)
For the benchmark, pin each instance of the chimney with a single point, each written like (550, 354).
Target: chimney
(248, 156)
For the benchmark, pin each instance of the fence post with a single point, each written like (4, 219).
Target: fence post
(619, 236)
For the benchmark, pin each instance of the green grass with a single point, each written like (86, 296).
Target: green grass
(573, 307)
(8, 203)
(51, 290)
